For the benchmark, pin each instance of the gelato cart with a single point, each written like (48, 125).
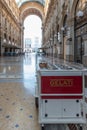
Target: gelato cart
(60, 94)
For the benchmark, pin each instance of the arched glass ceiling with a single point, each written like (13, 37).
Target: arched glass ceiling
(20, 2)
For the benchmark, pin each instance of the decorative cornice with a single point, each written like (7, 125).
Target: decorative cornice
(8, 10)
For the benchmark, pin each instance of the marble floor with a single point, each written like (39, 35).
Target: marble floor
(17, 94)
(17, 91)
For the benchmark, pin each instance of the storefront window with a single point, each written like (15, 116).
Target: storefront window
(80, 30)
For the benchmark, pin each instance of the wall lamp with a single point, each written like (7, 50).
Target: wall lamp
(62, 28)
(4, 41)
(80, 13)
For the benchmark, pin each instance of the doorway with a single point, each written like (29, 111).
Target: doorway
(64, 50)
(32, 34)
(79, 49)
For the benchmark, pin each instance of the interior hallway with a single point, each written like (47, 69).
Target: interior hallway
(17, 89)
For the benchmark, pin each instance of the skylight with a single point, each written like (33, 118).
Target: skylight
(20, 2)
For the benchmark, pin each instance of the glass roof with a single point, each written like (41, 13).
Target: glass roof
(20, 2)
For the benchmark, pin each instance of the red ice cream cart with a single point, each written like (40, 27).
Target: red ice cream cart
(61, 96)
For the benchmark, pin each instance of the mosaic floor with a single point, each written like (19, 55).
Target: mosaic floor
(17, 90)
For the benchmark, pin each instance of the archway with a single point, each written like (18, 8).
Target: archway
(32, 34)
(27, 9)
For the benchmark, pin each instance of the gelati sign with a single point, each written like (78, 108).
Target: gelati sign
(61, 82)
(61, 85)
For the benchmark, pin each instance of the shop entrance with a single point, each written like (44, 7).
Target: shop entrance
(79, 49)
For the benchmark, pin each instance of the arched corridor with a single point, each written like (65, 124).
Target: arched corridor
(61, 47)
(30, 8)
(32, 33)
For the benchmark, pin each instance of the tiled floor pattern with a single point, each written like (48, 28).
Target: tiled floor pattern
(17, 101)
(17, 90)
(17, 108)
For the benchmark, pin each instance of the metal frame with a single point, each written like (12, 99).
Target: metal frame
(63, 121)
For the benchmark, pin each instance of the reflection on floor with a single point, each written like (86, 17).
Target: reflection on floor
(17, 89)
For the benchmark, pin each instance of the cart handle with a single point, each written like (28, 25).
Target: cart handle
(62, 94)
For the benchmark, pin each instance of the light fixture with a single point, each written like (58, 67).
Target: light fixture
(59, 36)
(12, 43)
(62, 28)
(79, 13)
(50, 39)
(4, 41)
(68, 32)
(55, 35)
(9, 42)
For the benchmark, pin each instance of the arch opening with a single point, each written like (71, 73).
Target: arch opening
(32, 34)
(28, 9)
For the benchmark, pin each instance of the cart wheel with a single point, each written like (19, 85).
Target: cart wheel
(80, 127)
(42, 127)
(36, 102)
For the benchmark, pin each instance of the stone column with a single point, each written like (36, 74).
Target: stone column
(61, 45)
(51, 47)
(59, 41)
(0, 33)
(22, 35)
(72, 40)
(55, 45)
(0, 44)
(42, 34)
